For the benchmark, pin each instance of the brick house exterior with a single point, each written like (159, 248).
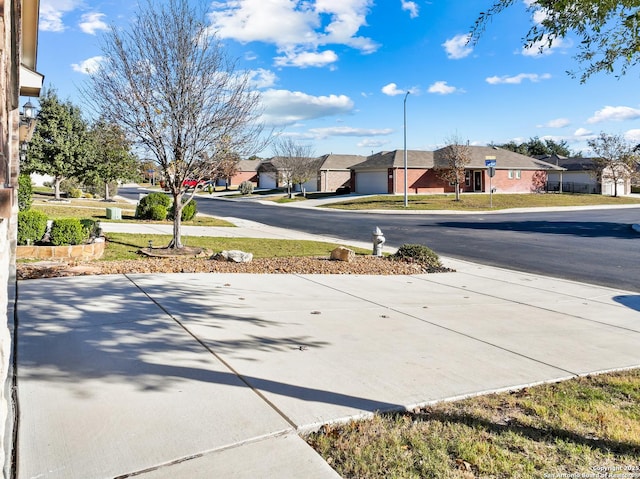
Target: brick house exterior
(18, 77)
(334, 171)
(383, 173)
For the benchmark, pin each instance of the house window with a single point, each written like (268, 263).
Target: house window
(467, 178)
(515, 174)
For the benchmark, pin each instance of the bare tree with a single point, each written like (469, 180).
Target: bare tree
(616, 159)
(295, 163)
(451, 162)
(169, 85)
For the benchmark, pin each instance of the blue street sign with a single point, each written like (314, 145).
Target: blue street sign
(490, 163)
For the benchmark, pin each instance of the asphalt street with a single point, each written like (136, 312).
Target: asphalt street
(596, 246)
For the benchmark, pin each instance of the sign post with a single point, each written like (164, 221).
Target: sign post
(490, 163)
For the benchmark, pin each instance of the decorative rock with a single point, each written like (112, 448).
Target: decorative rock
(235, 256)
(343, 254)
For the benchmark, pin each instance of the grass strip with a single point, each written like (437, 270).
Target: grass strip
(588, 425)
(480, 202)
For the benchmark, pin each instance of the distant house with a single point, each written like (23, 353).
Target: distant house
(383, 173)
(580, 175)
(334, 171)
(247, 171)
(273, 173)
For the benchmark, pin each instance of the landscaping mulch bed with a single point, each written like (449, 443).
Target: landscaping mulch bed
(363, 265)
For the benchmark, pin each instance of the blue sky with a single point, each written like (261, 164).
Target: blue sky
(334, 73)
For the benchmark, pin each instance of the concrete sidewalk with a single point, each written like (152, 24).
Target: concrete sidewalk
(214, 375)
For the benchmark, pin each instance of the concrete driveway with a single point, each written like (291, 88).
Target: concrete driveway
(214, 375)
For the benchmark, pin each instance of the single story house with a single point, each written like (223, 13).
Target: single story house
(580, 176)
(246, 171)
(383, 173)
(334, 171)
(272, 173)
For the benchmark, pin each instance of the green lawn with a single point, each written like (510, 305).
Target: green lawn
(123, 246)
(583, 426)
(97, 210)
(478, 202)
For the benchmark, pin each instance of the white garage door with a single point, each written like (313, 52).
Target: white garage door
(372, 182)
(267, 181)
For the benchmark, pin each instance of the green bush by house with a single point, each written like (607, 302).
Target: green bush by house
(25, 192)
(68, 231)
(32, 225)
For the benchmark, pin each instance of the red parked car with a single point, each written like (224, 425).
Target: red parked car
(192, 183)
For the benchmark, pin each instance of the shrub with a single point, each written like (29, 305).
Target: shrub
(152, 199)
(246, 187)
(189, 211)
(68, 231)
(69, 184)
(32, 225)
(417, 253)
(25, 192)
(75, 193)
(156, 213)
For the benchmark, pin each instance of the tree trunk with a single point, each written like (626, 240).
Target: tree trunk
(176, 242)
(56, 187)
(106, 191)
(457, 187)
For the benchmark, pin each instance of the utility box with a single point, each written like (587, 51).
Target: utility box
(114, 213)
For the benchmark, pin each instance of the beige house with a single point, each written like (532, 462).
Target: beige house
(18, 77)
(334, 172)
(580, 176)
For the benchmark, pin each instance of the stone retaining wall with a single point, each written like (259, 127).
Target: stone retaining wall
(79, 252)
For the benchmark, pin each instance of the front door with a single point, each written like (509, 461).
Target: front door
(477, 181)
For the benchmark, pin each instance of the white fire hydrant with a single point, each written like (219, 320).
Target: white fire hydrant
(378, 241)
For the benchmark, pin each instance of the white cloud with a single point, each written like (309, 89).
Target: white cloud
(615, 113)
(517, 79)
(284, 107)
(557, 123)
(542, 47)
(348, 131)
(582, 132)
(52, 11)
(307, 59)
(442, 88)
(296, 28)
(92, 22)
(262, 78)
(88, 66)
(633, 135)
(392, 90)
(411, 7)
(369, 143)
(458, 47)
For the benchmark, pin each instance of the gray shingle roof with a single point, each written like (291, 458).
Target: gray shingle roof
(340, 162)
(395, 159)
(505, 159)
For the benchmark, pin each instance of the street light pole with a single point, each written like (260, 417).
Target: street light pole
(406, 199)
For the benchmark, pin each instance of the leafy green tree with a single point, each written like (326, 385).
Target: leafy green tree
(60, 146)
(616, 159)
(112, 159)
(537, 147)
(608, 31)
